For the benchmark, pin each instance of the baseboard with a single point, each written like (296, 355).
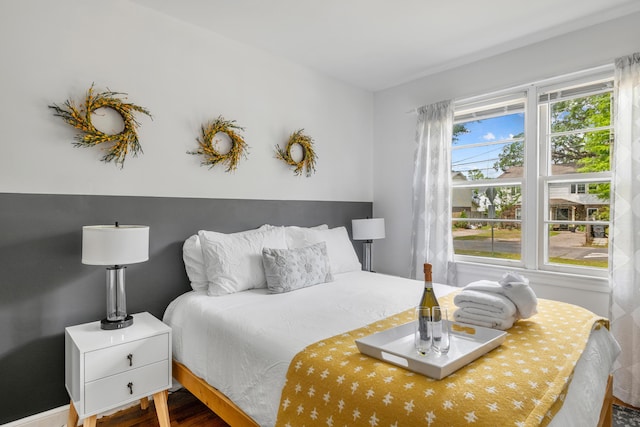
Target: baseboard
(56, 417)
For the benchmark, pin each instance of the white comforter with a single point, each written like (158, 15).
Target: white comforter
(242, 343)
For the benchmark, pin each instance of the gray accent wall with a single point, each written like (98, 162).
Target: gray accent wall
(44, 287)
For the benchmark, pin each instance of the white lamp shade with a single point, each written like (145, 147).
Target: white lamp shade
(368, 229)
(115, 245)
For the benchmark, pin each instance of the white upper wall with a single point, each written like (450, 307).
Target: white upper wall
(53, 51)
(394, 139)
(394, 125)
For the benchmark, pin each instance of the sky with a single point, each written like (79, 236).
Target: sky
(485, 136)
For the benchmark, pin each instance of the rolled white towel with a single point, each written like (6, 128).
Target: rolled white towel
(485, 286)
(517, 289)
(479, 302)
(463, 315)
(513, 286)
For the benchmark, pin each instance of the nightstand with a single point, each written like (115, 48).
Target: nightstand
(106, 369)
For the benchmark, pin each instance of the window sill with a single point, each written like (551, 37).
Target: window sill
(536, 277)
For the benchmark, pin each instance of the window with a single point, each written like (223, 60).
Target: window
(578, 188)
(487, 175)
(531, 176)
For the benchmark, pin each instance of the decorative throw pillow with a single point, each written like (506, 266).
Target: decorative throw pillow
(233, 262)
(290, 269)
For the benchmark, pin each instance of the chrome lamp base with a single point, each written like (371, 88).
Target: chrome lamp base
(366, 258)
(117, 317)
(116, 324)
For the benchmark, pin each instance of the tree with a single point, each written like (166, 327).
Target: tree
(459, 129)
(511, 155)
(507, 200)
(475, 174)
(589, 150)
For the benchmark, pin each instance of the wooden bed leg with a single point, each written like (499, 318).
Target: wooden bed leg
(606, 413)
(211, 397)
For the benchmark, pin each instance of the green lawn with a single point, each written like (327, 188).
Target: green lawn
(498, 233)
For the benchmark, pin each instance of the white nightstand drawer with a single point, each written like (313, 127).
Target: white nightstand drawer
(124, 357)
(98, 371)
(112, 391)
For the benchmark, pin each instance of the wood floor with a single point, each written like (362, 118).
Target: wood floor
(184, 411)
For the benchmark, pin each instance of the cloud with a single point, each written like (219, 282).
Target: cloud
(489, 137)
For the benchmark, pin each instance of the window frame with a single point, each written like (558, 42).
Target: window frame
(536, 177)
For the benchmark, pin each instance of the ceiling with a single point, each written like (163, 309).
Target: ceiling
(376, 44)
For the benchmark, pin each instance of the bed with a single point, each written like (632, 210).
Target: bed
(233, 349)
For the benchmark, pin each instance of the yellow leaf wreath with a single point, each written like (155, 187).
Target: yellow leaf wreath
(308, 162)
(212, 157)
(80, 118)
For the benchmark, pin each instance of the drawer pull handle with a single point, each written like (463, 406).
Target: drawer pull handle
(130, 385)
(130, 357)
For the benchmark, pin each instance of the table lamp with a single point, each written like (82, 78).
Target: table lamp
(368, 230)
(115, 245)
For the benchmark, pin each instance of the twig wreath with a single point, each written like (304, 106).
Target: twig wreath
(80, 118)
(308, 162)
(212, 156)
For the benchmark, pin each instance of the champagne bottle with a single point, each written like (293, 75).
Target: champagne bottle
(428, 301)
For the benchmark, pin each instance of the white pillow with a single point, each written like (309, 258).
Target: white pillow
(289, 269)
(297, 237)
(342, 256)
(233, 262)
(194, 263)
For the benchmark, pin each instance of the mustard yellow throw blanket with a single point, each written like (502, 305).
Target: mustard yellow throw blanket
(521, 383)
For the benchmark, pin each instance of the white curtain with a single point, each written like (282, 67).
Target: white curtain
(431, 238)
(625, 265)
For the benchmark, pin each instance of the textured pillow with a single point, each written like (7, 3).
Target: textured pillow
(342, 256)
(233, 262)
(290, 269)
(194, 263)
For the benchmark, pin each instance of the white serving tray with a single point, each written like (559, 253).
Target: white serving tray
(396, 346)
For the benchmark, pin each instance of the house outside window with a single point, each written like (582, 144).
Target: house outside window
(531, 176)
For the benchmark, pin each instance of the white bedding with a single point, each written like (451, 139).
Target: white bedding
(242, 343)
